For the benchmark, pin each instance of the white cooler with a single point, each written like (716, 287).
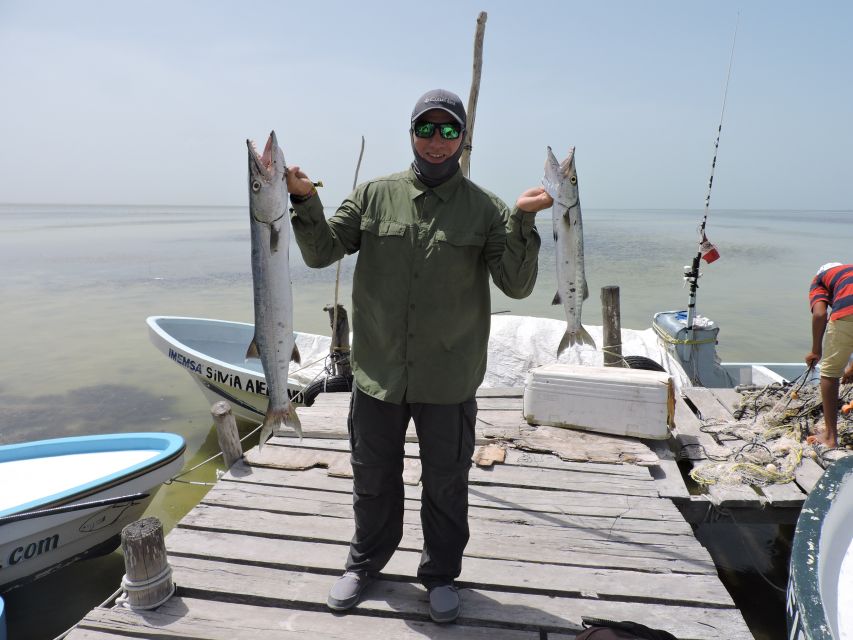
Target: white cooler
(611, 400)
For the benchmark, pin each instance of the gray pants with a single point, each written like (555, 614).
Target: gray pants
(377, 432)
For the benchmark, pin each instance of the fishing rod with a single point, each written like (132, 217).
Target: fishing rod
(707, 250)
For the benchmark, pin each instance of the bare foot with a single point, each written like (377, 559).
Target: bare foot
(822, 439)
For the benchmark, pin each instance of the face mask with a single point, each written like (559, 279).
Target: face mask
(433, 175)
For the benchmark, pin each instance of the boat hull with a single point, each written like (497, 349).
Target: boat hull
(820, 583)
(213, 352)
(74, 516)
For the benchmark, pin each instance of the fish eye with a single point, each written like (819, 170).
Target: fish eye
(256, 186)
(573, 179)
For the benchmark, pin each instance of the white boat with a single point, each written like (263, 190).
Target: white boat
(213, 353)
(65, 499)
(820, 582)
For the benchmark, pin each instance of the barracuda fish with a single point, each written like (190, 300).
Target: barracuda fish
(561, 183)
(273, 342)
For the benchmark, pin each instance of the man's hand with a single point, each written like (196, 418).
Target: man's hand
(812, 359)
(534, 200)
(298, 184)
(847, 378)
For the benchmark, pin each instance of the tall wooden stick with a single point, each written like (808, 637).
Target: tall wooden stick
(333, 346)
(465, 160)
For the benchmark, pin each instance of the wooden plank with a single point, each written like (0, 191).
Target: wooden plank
(514, 457)
(498, 496)
(294, 459)
(481, 605)
(190, 617)
(729, 398)
(339, 505)
(569, 546)
(667, 475)
(735, 496)
(583, 446)
(337, 462)
(696, 589)
(695, 443)
(788, 494)
(501, 392)
(709, 406)
(808, 474)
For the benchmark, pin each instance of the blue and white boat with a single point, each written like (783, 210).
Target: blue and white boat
(65, 499)
(820, 580)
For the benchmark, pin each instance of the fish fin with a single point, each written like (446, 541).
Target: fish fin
(555, 234)
(572, 338)
(585, 290)
(252, 351)
(557, 299)
(277, 419)
(266, 432)
(292, 420)
(295, 356)
(585, 338)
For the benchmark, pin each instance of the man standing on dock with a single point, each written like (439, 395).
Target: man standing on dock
(832, 287)
(428, 240)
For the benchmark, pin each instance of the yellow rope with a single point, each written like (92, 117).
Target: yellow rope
(668, 338)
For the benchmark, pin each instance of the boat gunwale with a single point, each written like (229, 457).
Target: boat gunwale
(172, 447)
(805, 604)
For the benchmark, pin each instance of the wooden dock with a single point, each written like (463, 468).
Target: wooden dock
(775, 503)
(553, 539)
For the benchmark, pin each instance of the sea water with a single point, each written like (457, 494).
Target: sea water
(78, 282)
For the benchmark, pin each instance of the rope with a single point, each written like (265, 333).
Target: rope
(669, 339)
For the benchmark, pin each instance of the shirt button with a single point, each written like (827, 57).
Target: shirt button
(415, 276)
(410, 363)
(411, 335)
(412, 307)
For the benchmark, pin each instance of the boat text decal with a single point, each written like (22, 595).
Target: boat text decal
(32, 549)
(218, 376)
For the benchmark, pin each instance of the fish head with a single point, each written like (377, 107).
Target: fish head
(561, 178)
(267, 180)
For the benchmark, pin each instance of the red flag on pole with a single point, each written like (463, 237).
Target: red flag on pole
(709, 252)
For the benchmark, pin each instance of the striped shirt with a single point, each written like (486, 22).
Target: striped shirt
(834, 287)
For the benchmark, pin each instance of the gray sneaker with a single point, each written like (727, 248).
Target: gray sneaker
(444, 603)
(347, 590)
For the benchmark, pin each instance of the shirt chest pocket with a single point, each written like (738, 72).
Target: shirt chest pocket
(456, 252)
(384, 245)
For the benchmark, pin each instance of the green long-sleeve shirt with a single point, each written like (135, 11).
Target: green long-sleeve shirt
(421, 300)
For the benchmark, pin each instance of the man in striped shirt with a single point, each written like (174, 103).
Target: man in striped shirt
(832, 339)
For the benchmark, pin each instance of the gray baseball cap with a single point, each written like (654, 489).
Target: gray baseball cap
(440, 99)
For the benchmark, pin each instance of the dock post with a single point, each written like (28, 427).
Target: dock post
(226, 433)
(340, 347)
(612, 326)
(147, 581)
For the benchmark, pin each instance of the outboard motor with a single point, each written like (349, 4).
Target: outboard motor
(695, 348)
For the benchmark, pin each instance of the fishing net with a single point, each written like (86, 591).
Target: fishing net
(767, 438)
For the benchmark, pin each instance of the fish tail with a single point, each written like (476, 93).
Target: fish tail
(291, 419)
(276, 420)
(572, 338)
(585, 338)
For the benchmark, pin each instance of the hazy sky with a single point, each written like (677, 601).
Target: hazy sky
(151, 102)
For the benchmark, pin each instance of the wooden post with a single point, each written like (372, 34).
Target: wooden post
(147, 581)
(479, 34)
(340, 348)
(612, 327)
(226, 433)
